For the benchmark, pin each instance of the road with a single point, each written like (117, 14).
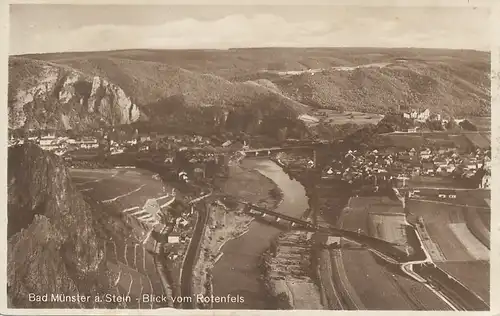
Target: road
(444, 189)
(191, 256)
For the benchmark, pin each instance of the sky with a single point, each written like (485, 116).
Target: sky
(42, 28)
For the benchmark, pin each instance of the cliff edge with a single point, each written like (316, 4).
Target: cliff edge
(52, 245)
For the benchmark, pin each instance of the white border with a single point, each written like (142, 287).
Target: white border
(495, 91)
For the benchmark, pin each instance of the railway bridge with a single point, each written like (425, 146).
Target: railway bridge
(265, 152)
(385, 247)
(295, 222)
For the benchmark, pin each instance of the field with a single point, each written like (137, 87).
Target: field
(457, 239)
(442, 223)
(356, 213)
(388, 227)
(482, 123)
(480, 140)
(475, 275)
(475, 223)
(474, 206)
(381, 287)
(338, 291)
(475, 248)
(334, 118)
(422, 182)
(485, 218)
(364, 281)
(463, 140)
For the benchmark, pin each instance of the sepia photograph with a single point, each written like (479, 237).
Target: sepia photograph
(249, 157)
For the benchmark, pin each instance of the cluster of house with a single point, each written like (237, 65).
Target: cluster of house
(59, 144)
(176, 234)
(197, 164)
(392, 164)
(424, 116)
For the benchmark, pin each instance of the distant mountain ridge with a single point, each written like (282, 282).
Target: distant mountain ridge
(67, 89)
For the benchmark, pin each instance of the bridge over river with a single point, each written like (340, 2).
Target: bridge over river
(380, 245)
(263, 152)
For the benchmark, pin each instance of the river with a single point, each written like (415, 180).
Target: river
(238, 272)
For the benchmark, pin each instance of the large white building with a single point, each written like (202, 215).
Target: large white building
(420, 116)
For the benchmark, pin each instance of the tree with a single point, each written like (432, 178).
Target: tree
(282, 134)
(340, 108)
(393, 122)
(283, 302)
(434, 125)
(452, 124)
(467, 125)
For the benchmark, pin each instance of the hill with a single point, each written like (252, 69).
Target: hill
(86, 92)
(296, 79)
(454, 87)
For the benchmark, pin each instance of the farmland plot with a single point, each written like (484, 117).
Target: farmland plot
(388, 227)
(476, 225)
(478, 140)
(437, 219)
(475, 248)
(381, 286)
(475, 275)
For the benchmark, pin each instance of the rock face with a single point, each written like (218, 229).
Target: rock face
(52, 245)
(47, 95)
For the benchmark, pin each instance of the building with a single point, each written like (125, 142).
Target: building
(199, 173)
(88, 143)
(447, 194)
(428, 168)
(183, 176)
(423, 116)
(173, 239)
(418, 116)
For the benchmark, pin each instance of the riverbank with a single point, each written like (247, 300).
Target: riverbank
(326, 200)
(228, 222)
(287, 270)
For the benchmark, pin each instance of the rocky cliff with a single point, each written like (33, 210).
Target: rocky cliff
(52, 244)
(48, 95)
